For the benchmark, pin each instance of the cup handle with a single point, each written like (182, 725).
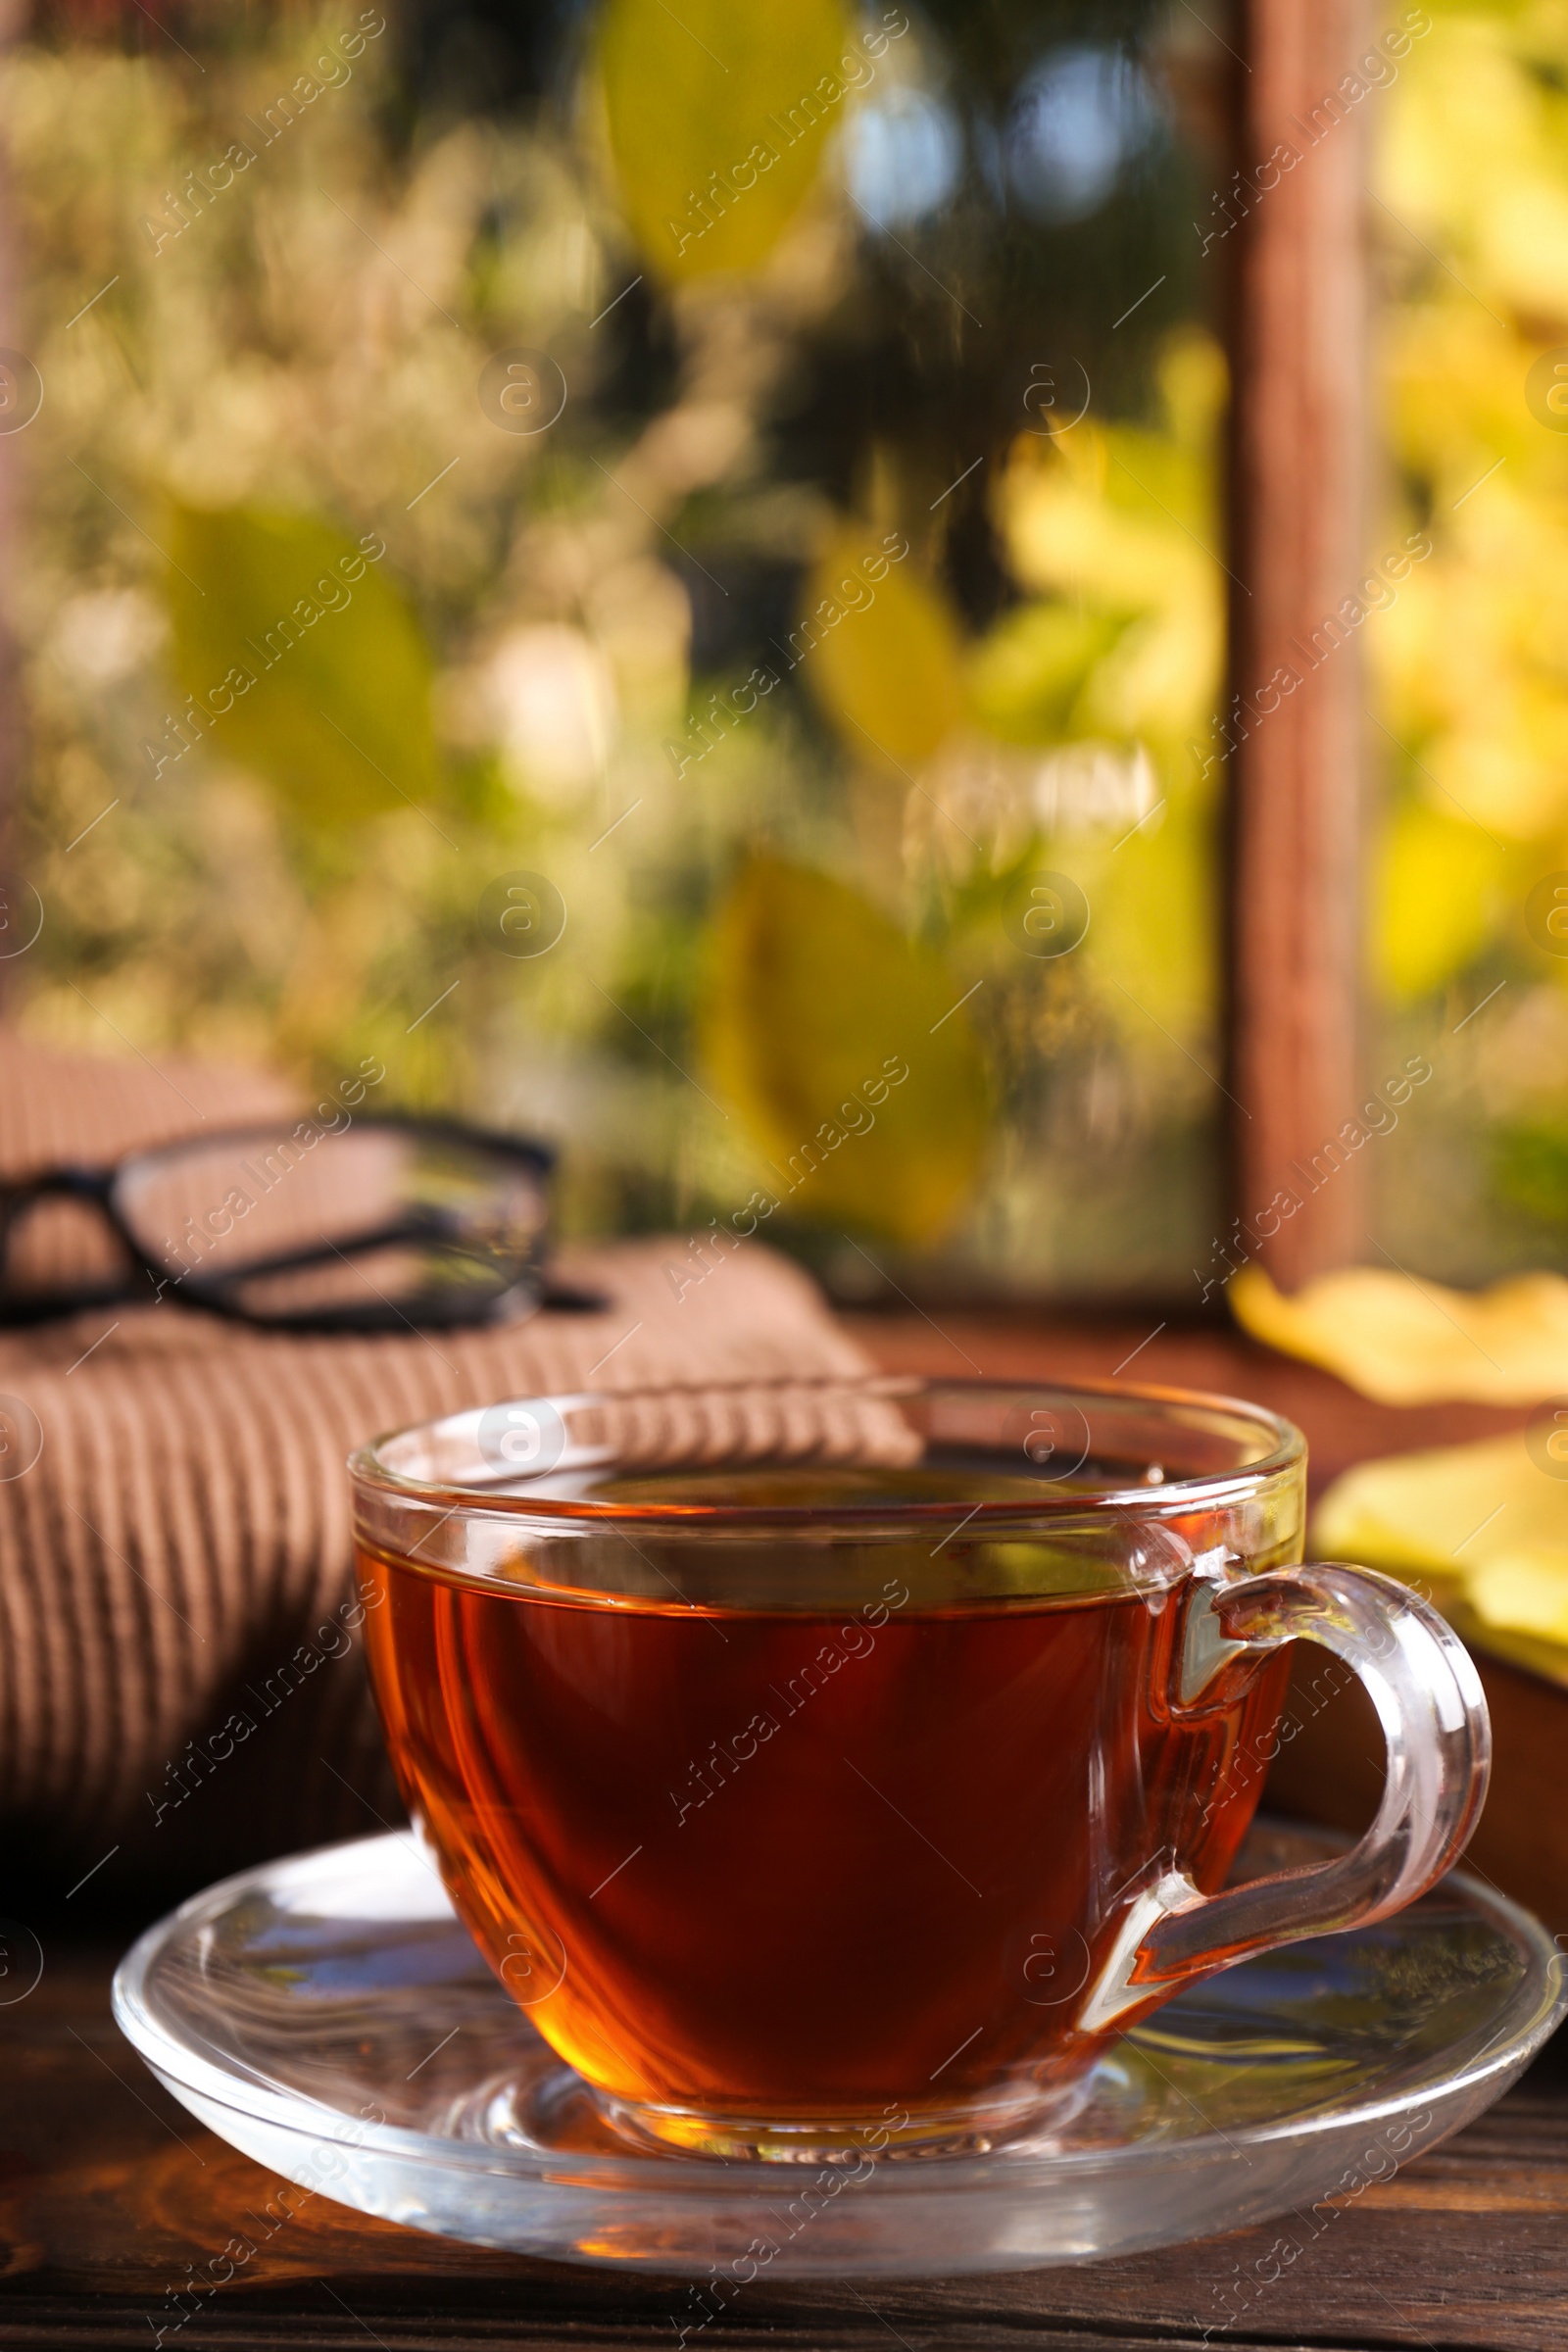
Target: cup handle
(1430, 1702)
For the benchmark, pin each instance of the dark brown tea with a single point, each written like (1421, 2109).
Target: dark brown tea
(810, 1864)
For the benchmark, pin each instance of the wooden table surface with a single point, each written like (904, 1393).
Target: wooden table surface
(110, 2195)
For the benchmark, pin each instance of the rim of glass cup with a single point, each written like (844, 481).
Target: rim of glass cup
(505, 1492)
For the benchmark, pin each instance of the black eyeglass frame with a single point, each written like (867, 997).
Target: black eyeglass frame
(99, 1188)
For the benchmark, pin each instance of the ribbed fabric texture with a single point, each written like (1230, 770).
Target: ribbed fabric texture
(183, 1533)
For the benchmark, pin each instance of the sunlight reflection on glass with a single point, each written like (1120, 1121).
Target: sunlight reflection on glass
(1077, 122)
(903, 157)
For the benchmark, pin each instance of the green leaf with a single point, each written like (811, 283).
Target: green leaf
(1530, 1159)
(718, 116)
(815, 1004)
(336, 717)
(882, 653)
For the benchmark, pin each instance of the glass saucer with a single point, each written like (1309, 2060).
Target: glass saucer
(330, 2016)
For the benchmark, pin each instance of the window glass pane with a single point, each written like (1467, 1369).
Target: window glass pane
(1468, 648)
(657, 571)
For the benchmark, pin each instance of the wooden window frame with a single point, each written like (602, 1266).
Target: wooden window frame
(1298, 507)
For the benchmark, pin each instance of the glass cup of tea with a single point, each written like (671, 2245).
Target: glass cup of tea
(839, 1767)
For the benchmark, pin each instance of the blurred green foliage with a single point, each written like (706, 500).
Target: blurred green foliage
(273, 366)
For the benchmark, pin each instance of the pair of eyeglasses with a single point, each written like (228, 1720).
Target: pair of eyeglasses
(373, 1225)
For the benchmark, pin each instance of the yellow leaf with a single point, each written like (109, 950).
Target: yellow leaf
(1153, 931)
(1027, 674)
(839, 1043)
(884, 657)
(1483, 1527)
(1404, 1342)
(336, 713)
(1162, 676)
(1116, 515)
(718, 116)
(1435, 901)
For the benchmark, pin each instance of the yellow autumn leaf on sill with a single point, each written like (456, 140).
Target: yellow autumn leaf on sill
(881, 652)
(718, 120)
(1482, 1528)
(848, 1051)
(1407, 1342)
